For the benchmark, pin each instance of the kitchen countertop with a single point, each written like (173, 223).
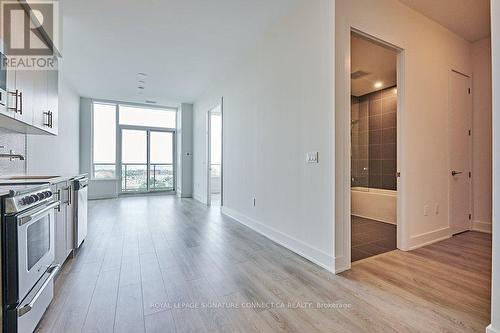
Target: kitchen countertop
(52, 180)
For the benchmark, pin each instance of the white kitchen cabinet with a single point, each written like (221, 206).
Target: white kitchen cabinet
(60, 221)
(41, 98)
(64, 219)
(53, 101)
(32, 101)
(25, 90)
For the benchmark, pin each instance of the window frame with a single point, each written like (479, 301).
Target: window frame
(118, 143)
(92, 163)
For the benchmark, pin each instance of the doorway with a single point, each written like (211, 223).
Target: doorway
(214, 156)
(374, 141)
(147, 160)
(460, 143)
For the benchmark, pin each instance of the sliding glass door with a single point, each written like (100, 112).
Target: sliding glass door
(147, 160)
(161, 161)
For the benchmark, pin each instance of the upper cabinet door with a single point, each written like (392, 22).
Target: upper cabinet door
(40, 111)
(10, 107)
(53, 101)
(25, 91)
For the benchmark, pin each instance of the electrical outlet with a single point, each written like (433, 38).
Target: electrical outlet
(312, 157)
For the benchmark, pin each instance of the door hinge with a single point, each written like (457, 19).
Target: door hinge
(470, 216)
(470, 132)
(469, 91)
(470, 174)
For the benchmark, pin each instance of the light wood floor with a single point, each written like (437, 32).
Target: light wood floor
(148, 262)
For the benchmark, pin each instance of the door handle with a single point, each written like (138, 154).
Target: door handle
(454, 173)
(52, 270)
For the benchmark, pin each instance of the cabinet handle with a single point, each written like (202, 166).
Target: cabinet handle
(20, 102)
(15, 94)
(69, 195)
(49, 119)
(59, 199)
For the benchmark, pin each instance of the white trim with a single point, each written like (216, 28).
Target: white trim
(342, 264)
(197, 197)
(307, 251)
(428, 238)
(481, 226)
(343, 142)
(490, 329)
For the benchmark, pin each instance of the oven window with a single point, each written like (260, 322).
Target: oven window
(38, 241)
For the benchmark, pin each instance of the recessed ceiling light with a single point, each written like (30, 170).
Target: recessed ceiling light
(142, 74)
(151, 102)
(378, 84)
(142, 81)
(142, 88)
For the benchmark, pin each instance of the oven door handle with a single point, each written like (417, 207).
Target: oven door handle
(23, 219)
(27, 308)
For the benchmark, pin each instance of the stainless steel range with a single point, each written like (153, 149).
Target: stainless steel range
(27, 236)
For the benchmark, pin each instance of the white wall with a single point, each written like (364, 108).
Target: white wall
(184, 152)
(430, 52)
(481, 134)
(58, 155)
(278, 105)
(495, 291)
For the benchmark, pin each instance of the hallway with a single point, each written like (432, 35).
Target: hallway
(152, 263)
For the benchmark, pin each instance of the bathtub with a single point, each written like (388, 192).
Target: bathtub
(375, 204)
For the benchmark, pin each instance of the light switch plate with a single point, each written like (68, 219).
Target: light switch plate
(312, 157)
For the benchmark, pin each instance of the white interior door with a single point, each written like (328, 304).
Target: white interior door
(460, 120)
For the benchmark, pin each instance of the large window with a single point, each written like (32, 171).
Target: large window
(104, 141)
(147, 117)
(146, 138)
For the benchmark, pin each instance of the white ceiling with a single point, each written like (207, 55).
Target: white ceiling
(467, 18)
(377, 61)
(182, 45)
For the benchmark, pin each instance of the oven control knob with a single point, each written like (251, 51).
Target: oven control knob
(48, 194)
(41, 196)
(29, 199)
(34, 198)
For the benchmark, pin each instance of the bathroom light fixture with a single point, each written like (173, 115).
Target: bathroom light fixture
(378, 84)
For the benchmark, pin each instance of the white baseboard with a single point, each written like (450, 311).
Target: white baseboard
(490, 329)
(481, 226)
(318, 257)
(428, 238)
(200, 199)
(342, 264)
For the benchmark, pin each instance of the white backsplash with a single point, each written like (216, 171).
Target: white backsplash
(17, 142)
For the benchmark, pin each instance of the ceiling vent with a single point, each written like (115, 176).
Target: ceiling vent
(358, 75)
(151, 102)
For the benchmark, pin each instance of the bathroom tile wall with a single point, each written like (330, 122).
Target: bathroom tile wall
(17, 143)
(359, 142)
(374, 138)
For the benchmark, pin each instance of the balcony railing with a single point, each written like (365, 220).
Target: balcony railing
(135, 177)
